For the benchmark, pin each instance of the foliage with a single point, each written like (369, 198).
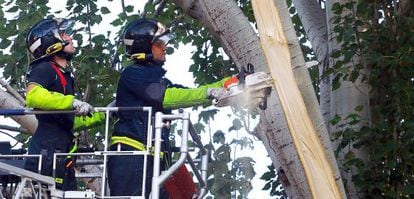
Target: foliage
(272, 183)
(228, 181)
(96, 69)
(380, 32)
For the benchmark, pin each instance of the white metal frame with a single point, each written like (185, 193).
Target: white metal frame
(157, 179)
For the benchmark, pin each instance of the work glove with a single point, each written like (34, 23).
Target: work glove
(82, 108)
(216, 93)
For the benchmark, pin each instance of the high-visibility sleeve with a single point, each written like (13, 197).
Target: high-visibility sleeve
(81, 122)
(39, 97)
(184, 97)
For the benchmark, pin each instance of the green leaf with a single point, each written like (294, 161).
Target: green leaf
(359, 108)
(13, 9)
(131, 8)
(208, 115)
(4, 43)
(336, 83)
(408, 190)
(218, 137)
(335, 120)
(268, 175)
(199, 127)
(237, 125)
(105, 10)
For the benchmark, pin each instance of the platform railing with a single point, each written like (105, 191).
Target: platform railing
(158, 178)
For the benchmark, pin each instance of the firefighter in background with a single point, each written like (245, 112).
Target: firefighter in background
(50, 86)
(143, 84)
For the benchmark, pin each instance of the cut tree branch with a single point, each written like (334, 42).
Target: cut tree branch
(16, 129)
(12, 92)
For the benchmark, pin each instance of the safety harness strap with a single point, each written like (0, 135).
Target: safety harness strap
(132, 143)
(61, 77)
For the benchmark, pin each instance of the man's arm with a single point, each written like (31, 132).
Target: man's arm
(41, 98)
(183, 98)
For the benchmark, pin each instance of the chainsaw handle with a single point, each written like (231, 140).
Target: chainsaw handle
(242, 74)
(250, 68)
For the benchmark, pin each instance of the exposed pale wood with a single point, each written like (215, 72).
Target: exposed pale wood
(318, 171)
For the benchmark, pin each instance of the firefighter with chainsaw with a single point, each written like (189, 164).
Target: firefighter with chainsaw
(142, 83)
(50, 86)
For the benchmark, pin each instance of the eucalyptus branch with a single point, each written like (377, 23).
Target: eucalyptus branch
(115, 58)
(124, 8)
(160, 7)
(2, 132)
(174, 23)
(404, 7)
(13, 92)
(16, 129)
(89, 25)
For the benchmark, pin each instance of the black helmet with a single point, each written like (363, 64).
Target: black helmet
(140, 34)
(43, 39)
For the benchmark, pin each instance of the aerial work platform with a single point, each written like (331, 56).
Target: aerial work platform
(173, 178)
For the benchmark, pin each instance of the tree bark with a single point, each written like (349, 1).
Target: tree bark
(302, 76)
(314, 22)
(228, 24)
(319, 173)
(344, 100)
(28, 122)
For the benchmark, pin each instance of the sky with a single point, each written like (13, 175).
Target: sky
(177, 66)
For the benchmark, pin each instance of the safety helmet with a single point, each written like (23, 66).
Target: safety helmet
(139, 35)
(43, 39)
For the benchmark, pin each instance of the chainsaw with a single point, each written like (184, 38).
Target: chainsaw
(248, 89)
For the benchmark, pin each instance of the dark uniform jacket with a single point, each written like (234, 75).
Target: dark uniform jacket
(140, 84)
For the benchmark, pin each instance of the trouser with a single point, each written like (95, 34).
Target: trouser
(47, 141)
(125, 174)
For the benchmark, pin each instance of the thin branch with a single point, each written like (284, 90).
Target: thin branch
(9, 136)
(13, 92)
(404, 8)
(89, 25)
(160, 8)
(115, 59)
(174, 23)
(123, 8)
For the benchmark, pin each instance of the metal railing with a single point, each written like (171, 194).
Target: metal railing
(158, 178)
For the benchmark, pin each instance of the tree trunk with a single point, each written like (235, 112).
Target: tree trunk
(228, 24)
(344, 100)
(314, 22)
(302, 75)
(318, 170)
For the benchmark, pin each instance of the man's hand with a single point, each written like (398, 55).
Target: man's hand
(216, 93)
(82, 108)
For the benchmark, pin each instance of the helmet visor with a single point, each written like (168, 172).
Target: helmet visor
(66, 26)
(165, 37)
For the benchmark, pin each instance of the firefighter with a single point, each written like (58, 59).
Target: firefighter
(50, 86)
(143, 84)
